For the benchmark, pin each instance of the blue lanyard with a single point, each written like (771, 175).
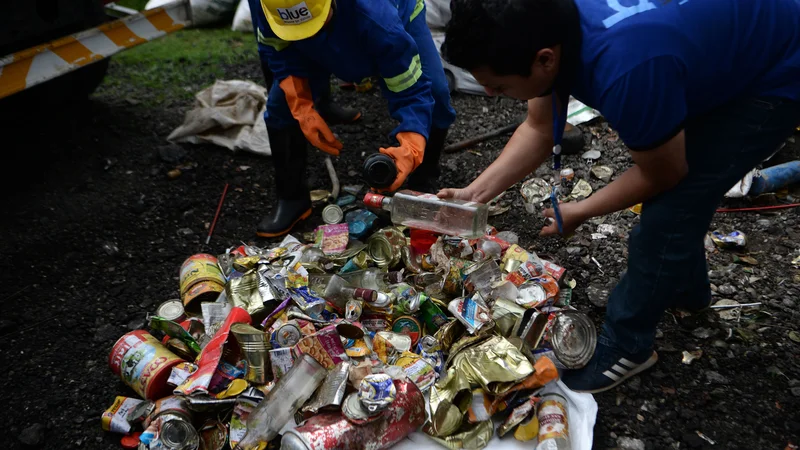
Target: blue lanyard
(559, 122)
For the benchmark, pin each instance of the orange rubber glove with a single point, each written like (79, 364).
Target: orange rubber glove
(407, 157)
(298, 96)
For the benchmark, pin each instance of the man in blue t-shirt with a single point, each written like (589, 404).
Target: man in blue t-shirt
(701, 91)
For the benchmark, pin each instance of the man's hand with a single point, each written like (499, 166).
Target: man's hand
(316, 131)
(572, 216)
(407, 156)
(465, 194)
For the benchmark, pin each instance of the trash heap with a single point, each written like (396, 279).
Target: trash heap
(361, 334)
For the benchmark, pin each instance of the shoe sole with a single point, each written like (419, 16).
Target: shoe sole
(639, 369)
(303, 216)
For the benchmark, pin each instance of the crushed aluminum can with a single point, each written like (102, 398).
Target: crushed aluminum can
(505, 314)
(353, 310)
(213, 435)
(573, 338)
(388, 345)
(602, 173)
(331, 393)
(384, 246)
(334, 430)
(581, 190)
(531, 328)
(475, 436)
(376, 392)
(432, 315)
(332, 214)
(418, 369)
(286, 335)
(200, 280)
(469, 312)
(531, 295)
(734, 240)
(495, 365)
(534, 192)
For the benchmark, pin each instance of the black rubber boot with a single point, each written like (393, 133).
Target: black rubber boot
(426, 177)
(294, 203)
(333, 113)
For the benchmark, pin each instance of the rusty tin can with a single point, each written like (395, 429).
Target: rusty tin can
(329, 431)
(143, 364)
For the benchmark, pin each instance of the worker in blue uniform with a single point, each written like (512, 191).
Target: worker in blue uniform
(303, 43)
(701, 91)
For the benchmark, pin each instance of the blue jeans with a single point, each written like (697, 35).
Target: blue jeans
(666, 257)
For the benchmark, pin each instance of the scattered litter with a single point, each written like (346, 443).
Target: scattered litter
(705, 438)
(581, 190)
(607, 229)
(260, 334)
(591, 155)
(688, 357)
(602, 173)
(703, 333)
(794, 336)
(734, 240)
(745, 260)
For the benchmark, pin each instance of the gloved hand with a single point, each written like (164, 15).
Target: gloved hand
(298, 96)
(407, 157)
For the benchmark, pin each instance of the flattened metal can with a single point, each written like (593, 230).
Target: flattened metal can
(143, 364)
(328, 431)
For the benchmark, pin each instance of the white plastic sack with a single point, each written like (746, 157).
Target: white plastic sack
(204, 12)
(742, 187)
(242, 21)
(437, 13)
(581, 416)
(230, 113)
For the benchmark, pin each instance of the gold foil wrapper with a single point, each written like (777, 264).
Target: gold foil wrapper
(450, 333)
(450, 399)
(468, 341)
(474, 437)
(495, 365)
(243, 292)
(245, 263)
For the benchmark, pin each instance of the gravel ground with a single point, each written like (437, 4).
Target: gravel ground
(94, 232)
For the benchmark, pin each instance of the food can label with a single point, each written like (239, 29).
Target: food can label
(197, 268)
(552, 420)
(115, 418)
(143, 357)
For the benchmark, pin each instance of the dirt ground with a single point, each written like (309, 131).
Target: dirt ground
(93, 234)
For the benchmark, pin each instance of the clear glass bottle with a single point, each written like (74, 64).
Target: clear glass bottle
(487, 249)
(280, 405)
(373, 278)
(429, 212)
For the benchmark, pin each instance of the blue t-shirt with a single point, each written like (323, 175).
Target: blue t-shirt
(650, 65)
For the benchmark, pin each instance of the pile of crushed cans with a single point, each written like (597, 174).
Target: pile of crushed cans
(361, 336)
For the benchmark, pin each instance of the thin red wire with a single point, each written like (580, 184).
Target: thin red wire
(216, 216)
(758, 208)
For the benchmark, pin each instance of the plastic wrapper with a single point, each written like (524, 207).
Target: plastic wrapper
(332, 239)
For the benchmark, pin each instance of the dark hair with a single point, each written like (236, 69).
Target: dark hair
(505, 35)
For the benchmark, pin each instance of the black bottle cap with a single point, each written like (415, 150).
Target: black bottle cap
(379, 170)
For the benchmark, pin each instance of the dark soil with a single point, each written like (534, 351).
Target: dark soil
(93, 234)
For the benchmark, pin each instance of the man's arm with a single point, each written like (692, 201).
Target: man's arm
(529, 146)
(655, 171)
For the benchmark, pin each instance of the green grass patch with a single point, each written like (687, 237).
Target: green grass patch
(135, 4)
(177, 65)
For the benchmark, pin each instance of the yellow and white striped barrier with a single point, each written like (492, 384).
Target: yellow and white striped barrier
(35, 65)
